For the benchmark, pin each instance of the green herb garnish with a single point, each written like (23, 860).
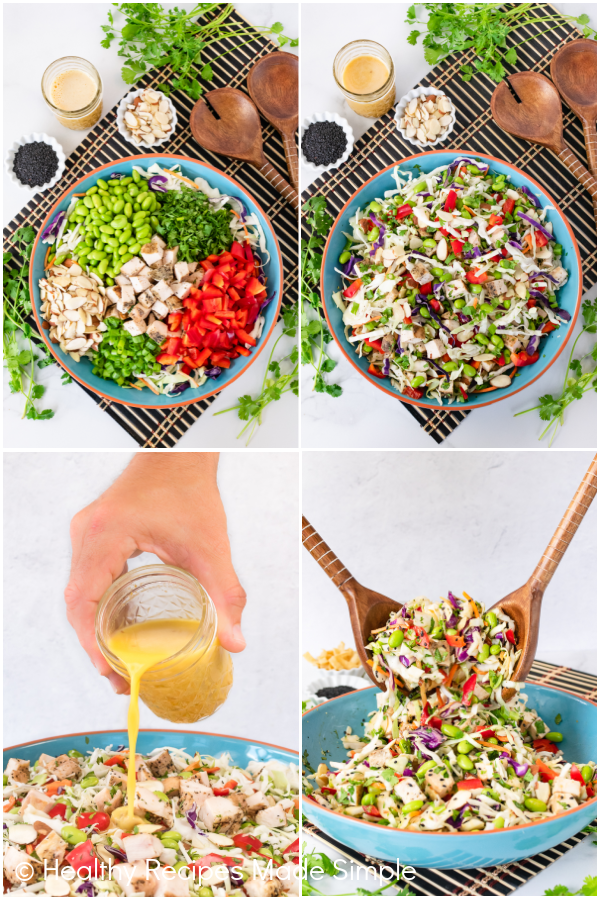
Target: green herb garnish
(188, 221)
(120, 356)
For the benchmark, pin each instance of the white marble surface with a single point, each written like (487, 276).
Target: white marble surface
(410, 523)
(78, 422)
(364, 416)
(50, 686)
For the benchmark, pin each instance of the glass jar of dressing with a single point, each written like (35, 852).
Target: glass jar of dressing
(364, 73)
(72, 88)
(157, 627)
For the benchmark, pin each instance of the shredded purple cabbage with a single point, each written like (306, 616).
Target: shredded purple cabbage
(544, 275)
(563, 314)
(462, 654)
(433, 363)
(539, 296)
(408, 773)
(53, 227)
(453, 601)
(532, 197)
(349, 266)
(267, 301)
(537, 225)
(533, 344)
(180, 388)
(425, 302)
(86, 888)
(470, 161)
(236, 880)
(214, 372)
(192, 816)
(520, 768)
(116, 851)
(405, 661)
(516, 245)
(386, 367)
(158, 183)
(432, 738)
(452, 622)
(117, 175)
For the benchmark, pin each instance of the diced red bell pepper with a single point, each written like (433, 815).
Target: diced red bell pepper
(476, 277)
(495, 220)
(173, 346)
(415, 393)
(407, 320)
(247, 842)
(457, 247)
(523, 358)
(194, 336)
(224, 791)
(545, 770)
(531, 303)
(469, 784)
(576, 774)
(372, 811)
(510, 636)
(443, 231)
(164, 359)
(376, 345)
(187, 370)
(243, 350)
(206, 265)
(508, 205)
(209, 292)
(189, 364)
(450, 203)
(548, 327)
(352, 288)
(373, 370)
(436, 304)
(83, 858)
(115, 761)
(99, 820)
(174, 320)
(202, 357)
(540, 239)
(254, 286)
(455, 640)
(244, 338)
(485, 732)
(403, 211)
(59, 809)
(589, 790)
(545, 744)
(294, 847)
(435, 721)
(468, 688)
(237, 251)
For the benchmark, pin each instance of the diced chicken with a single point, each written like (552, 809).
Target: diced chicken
(147, 801)
(161, 273)
(220, 814)
(114, 294)
(139, 311)
(117, 778)
(421, 273)
(180, 270)
(513, 343)
(474, 239)
(388, 343)
(496, 288)
(158, 331)
(15, 868)
(162, 764)
(408, 790)
(272, 816)
(182, 289)
(435, 349)
(288, 876)
(559, 274)
(438, 784)
(562, 802)
(17, 770)
(458, 799)
(196, 277)
(52, 848)
(566, 786)
(170, 257)
(168, 886)
(105, 803)
(161, 290)
(152, 254)
(192, 267)
(171, 785)
(139, 283)
(122, 280)
(455, 288)
(146, 272)
(38, 800)
(133, 266)
(542, 791)
(174, 303)
(127, 298)
(156, 239)
(135, 327)
(255, 802)
(160, 309)
(485, 770)
(146, 299)
(136, 880)
(47, 762)
(380, 758)
(193, 792)
(142, 846)
(268, 887)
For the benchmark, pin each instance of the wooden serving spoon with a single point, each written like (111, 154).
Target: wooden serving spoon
(538, 119)
(236, 133)
(574, 71)
(273, 85)
(524, 605)
(370, 610)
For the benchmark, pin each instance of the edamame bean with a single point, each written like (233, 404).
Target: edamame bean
(125, 235)
(458, 304)
(170, 844)
(135, 248)
(128, 210)
(89, 780)
(154, 222)
(5, 780)
(119, 222)
(118, 191)
(205, 891)
(450, 366)
(465, 763)
(101, 183)
(112, 241)
(108, 281)
(118, 206)
(535, 805)
(476, 289)
(97, 255)
(136, 176)
(136, 207)
(554, 736)
(126, 258)
(429, 242)
(506, 304)
(73, 835)
(97, 201)
(88, 202)
(495, 649)
(343, 258)
(369, 799)
(140, 215)
(413, 806)
(419, 380)
(172, 835)
(464, 747)
(396, 639)
(103, 266)
(491, 618)
(451, 731)
(92, 190)
(125, 181)
(371, 236)
(142, 195)
(124, 250)
(485, 650)
(107, 229)
(481, 339)
(472, 372)
(374, 206)
(425, 312)
(111, 272)
(497, 340)
(75, 754)
(426, 767)
(587, 773)
(498, 822)
(486, 308)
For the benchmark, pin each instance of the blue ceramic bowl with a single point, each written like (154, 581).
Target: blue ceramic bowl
(242, 750)
(570, 294)
(82, 371)
(448, 851)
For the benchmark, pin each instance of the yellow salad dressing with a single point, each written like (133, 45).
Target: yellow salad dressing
(194, 685)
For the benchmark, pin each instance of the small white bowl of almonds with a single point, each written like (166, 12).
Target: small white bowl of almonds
(146, 118)
(425, 117)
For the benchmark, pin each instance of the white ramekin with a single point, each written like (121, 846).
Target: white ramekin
(124, 130)
(28, 139)
(403, 103)
(327, 117)
(347, 678)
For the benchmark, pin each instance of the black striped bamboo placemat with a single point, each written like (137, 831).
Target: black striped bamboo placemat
(476, 130)
(156, 428)
(498, 881)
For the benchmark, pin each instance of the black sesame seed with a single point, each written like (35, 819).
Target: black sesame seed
(324, 143)
(35, 164)
(327, 693)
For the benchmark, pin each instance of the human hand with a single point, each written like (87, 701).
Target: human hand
(163, 503)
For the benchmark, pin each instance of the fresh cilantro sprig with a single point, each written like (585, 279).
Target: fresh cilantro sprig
(584, 379)
(281, 377)
(484, 28)
(314, 333)
(326, 866)
(154, 36)
(20, 342)
(589, 889)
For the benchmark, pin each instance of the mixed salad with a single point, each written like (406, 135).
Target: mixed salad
(450, 281)
(158, 279)
(210, 828)
(448, 748)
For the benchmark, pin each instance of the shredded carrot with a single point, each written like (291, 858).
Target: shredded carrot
(475, 363)
(187, 180)
(8, 806)
(379, 669)
(195, 764)
(466, 596)
(136, 386)
(150, 385)
(487, 744)
(53, 786)
(416, 812)
(479, 671)
(439, 698)
(451, 674)
(248, 238)
(475, 610)
(526, 242)
(48, 251)
(474, 302)
(370, 662)
(423, 694)
(502, 737)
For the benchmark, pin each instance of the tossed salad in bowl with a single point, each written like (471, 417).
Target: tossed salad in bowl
(450, 281)
(207, 827)
(444, 752)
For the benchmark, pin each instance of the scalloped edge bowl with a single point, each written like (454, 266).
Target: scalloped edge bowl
(124, 131)
(327, 117)
(28, 139)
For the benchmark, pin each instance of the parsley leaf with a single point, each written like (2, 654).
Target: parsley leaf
(589, 889)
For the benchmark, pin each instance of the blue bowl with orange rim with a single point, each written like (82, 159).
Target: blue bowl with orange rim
(569, 295)
(82, 371)
(322, 726)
